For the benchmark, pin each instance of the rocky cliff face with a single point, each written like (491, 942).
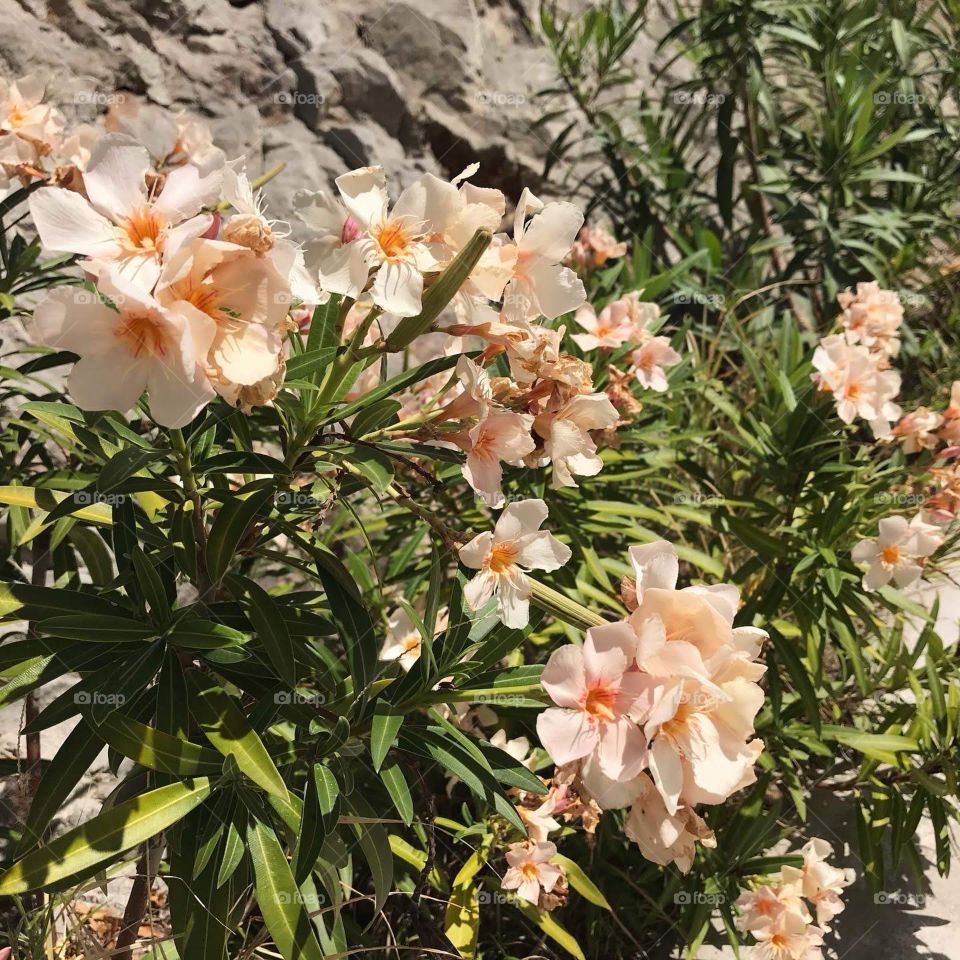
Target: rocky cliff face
(320, 85)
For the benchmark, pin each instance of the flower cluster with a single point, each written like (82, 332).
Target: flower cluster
(789, 917)
(594, 246)
(854, 365)
(30, 130)
(502, 557)
(656, 712)
(898, 552)
(628, 321)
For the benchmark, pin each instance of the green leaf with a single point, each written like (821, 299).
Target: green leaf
(156, 750)
(551, 927)
(354, 626)
(269, 625)
(581, 882)
(99, 628)
(118, 829)
(396, 784)
(225, 726)
(278, 896)
(231, 524)
(461, 923)
(383, 731)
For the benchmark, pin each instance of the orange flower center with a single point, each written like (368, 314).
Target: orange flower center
(599, 703)
(411, 643)
(501, 558)
(16, 117)
(394, 238)
(852, 391)
(143, 334)
(143, 232)
(529, 871)
(890, 555)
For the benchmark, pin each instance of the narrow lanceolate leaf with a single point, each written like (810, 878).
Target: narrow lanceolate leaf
(396, 784)
(102, 838)
(151, 585)
(226, 727)
(65, 771)
(462, 921)
(156, 750)
(267, 621)
(355, 628)
(279, 897)
(387, 720)
(232, 523)
(581, 882)
(375, 846)
(195, 634)
(96, 627)
(551, 927)
(313, 831)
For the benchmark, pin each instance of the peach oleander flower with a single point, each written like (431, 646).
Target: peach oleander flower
(820, 883)
(608, 330)
(665, 837)
(393, 241)
(950, 428)
(872, 316)
(567, 440)
(142, 345)
(897, 552)
(917, 430)
(26, 118)
(404, 642)
(599, 701)
(701, 720)
(540, 284)
(860, 386)
(540, 820)
(530, 870)
(777, 913)
(787, 937)
(594, 246)
(119, 224)
(245, 297)
(500, 436)
(516, 545)
(172, 140)
(650, 361)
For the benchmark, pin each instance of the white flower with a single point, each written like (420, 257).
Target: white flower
(142, 345)
(651, 359)
(394, 242)
(404, 642)
(530, 870)
(121, 226)
(894, 555)
(516, 545)
(540, 285)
